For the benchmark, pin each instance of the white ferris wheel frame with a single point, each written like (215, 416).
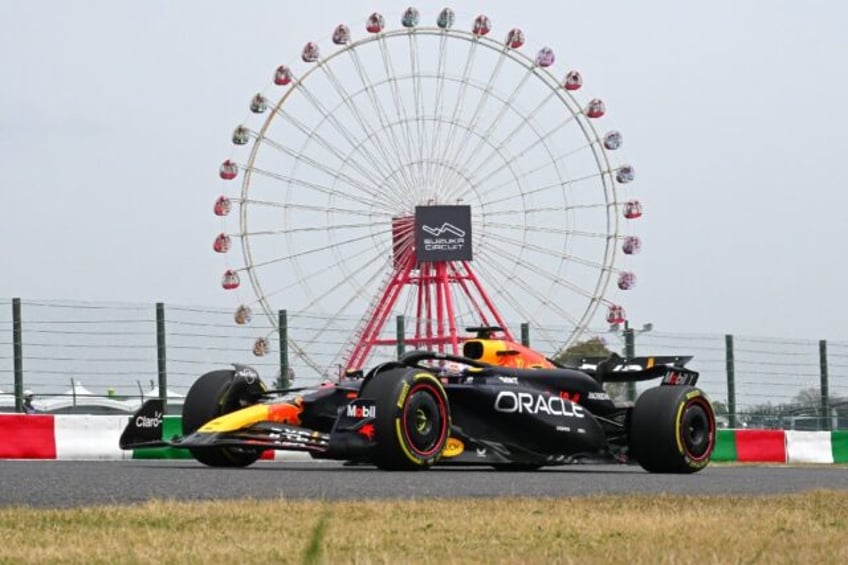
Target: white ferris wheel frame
(605, 170)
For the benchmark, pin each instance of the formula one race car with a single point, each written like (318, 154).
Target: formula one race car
(499, 404)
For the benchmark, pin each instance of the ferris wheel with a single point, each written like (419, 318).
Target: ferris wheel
(431, 172)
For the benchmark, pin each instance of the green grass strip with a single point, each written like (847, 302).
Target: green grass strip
(314, 551)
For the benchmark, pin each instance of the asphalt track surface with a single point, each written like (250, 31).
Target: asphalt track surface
(84, 483)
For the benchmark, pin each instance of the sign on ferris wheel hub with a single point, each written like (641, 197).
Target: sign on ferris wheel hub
(443, 233)
(329, 203)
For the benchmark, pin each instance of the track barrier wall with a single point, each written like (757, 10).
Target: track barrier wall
(86, 437)
(779, 446)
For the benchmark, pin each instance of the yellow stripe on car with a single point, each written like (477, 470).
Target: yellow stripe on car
(236, 420)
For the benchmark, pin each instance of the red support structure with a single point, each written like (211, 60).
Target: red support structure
(375, 322)
(438, 290)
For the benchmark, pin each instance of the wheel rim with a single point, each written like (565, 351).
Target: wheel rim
(697, 430)
(424, 420)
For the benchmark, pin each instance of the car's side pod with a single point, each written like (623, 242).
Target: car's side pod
(145, 427)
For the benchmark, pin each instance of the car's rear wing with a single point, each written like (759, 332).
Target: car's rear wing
(617, 369)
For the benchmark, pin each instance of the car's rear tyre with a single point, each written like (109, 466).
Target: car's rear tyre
(412, 422)
(672, 430)
(214, 394)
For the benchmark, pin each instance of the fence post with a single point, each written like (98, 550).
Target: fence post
(825, 388)
(283, 326)
(731, 380)
(17, 348)
(160, 355)
(630, 353)
(400, 329)
(525, 334)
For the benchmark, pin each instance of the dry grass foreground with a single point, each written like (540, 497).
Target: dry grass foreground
(802, 528)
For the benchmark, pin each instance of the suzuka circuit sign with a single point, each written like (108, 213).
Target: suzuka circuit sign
(443, 233)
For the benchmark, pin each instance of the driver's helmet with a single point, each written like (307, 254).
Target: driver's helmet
(453, 368)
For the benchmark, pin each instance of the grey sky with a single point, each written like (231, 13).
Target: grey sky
(116, 116)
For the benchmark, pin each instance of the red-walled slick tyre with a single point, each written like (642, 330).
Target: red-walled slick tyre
(412, 422)
(672, 430)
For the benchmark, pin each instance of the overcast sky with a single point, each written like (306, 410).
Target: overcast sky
(115, 116)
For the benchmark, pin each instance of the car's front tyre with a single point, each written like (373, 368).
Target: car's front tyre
(212, 395)
(412, 423)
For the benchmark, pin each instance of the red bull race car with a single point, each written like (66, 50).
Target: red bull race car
(499, 404)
